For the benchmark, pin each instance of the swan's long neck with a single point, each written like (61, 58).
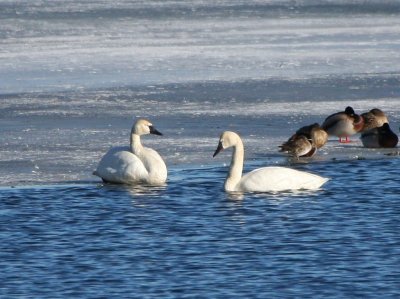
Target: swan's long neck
(136, 145)
(156, 168)
(236, 168)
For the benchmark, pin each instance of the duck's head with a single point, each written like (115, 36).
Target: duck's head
(143, 127)
(358, 120)
(349, 111)
(226, 140)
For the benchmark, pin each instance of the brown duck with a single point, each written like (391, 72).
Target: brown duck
(373, 119)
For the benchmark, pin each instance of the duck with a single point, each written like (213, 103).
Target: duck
(265, 179)
(343, 124)
(379, 137)
(373, 119)
(314, 131)
(299, 146)
(306, 141)
(133, 164)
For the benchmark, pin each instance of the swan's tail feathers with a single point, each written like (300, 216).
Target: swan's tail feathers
(321, 182)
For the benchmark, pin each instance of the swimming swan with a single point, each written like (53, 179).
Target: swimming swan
(133, 164)
(264, 179)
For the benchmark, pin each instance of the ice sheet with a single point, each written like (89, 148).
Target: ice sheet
(48, 46)
(75, 74)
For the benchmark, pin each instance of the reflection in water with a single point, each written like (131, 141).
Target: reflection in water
(139, 193)
(273, 196)
(235, 196)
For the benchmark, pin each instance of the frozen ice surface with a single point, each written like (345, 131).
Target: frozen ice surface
(75, 75)
(57, 138)
(47, 45)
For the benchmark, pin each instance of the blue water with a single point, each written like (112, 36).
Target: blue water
(191, 239)
(74, 75)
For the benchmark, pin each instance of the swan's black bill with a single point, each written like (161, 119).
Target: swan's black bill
(154, 131)
(219, 148)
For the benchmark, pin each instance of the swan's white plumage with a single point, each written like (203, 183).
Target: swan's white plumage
(134, 164)
(266, 179)
(119, 165)
(274, 179)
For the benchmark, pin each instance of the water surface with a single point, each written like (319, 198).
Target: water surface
(192, 239)
(74, 77)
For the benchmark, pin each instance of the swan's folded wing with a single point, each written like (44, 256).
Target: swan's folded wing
(155, 164)
(153, 156)
(273, 179)
(119, 165)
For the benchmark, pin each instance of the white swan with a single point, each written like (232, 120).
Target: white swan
(134, 164)
(266, 179)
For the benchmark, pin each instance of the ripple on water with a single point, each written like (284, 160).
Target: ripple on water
(191, 238)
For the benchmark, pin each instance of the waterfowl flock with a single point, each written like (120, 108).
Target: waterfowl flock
(373, 126)
(136, 164)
